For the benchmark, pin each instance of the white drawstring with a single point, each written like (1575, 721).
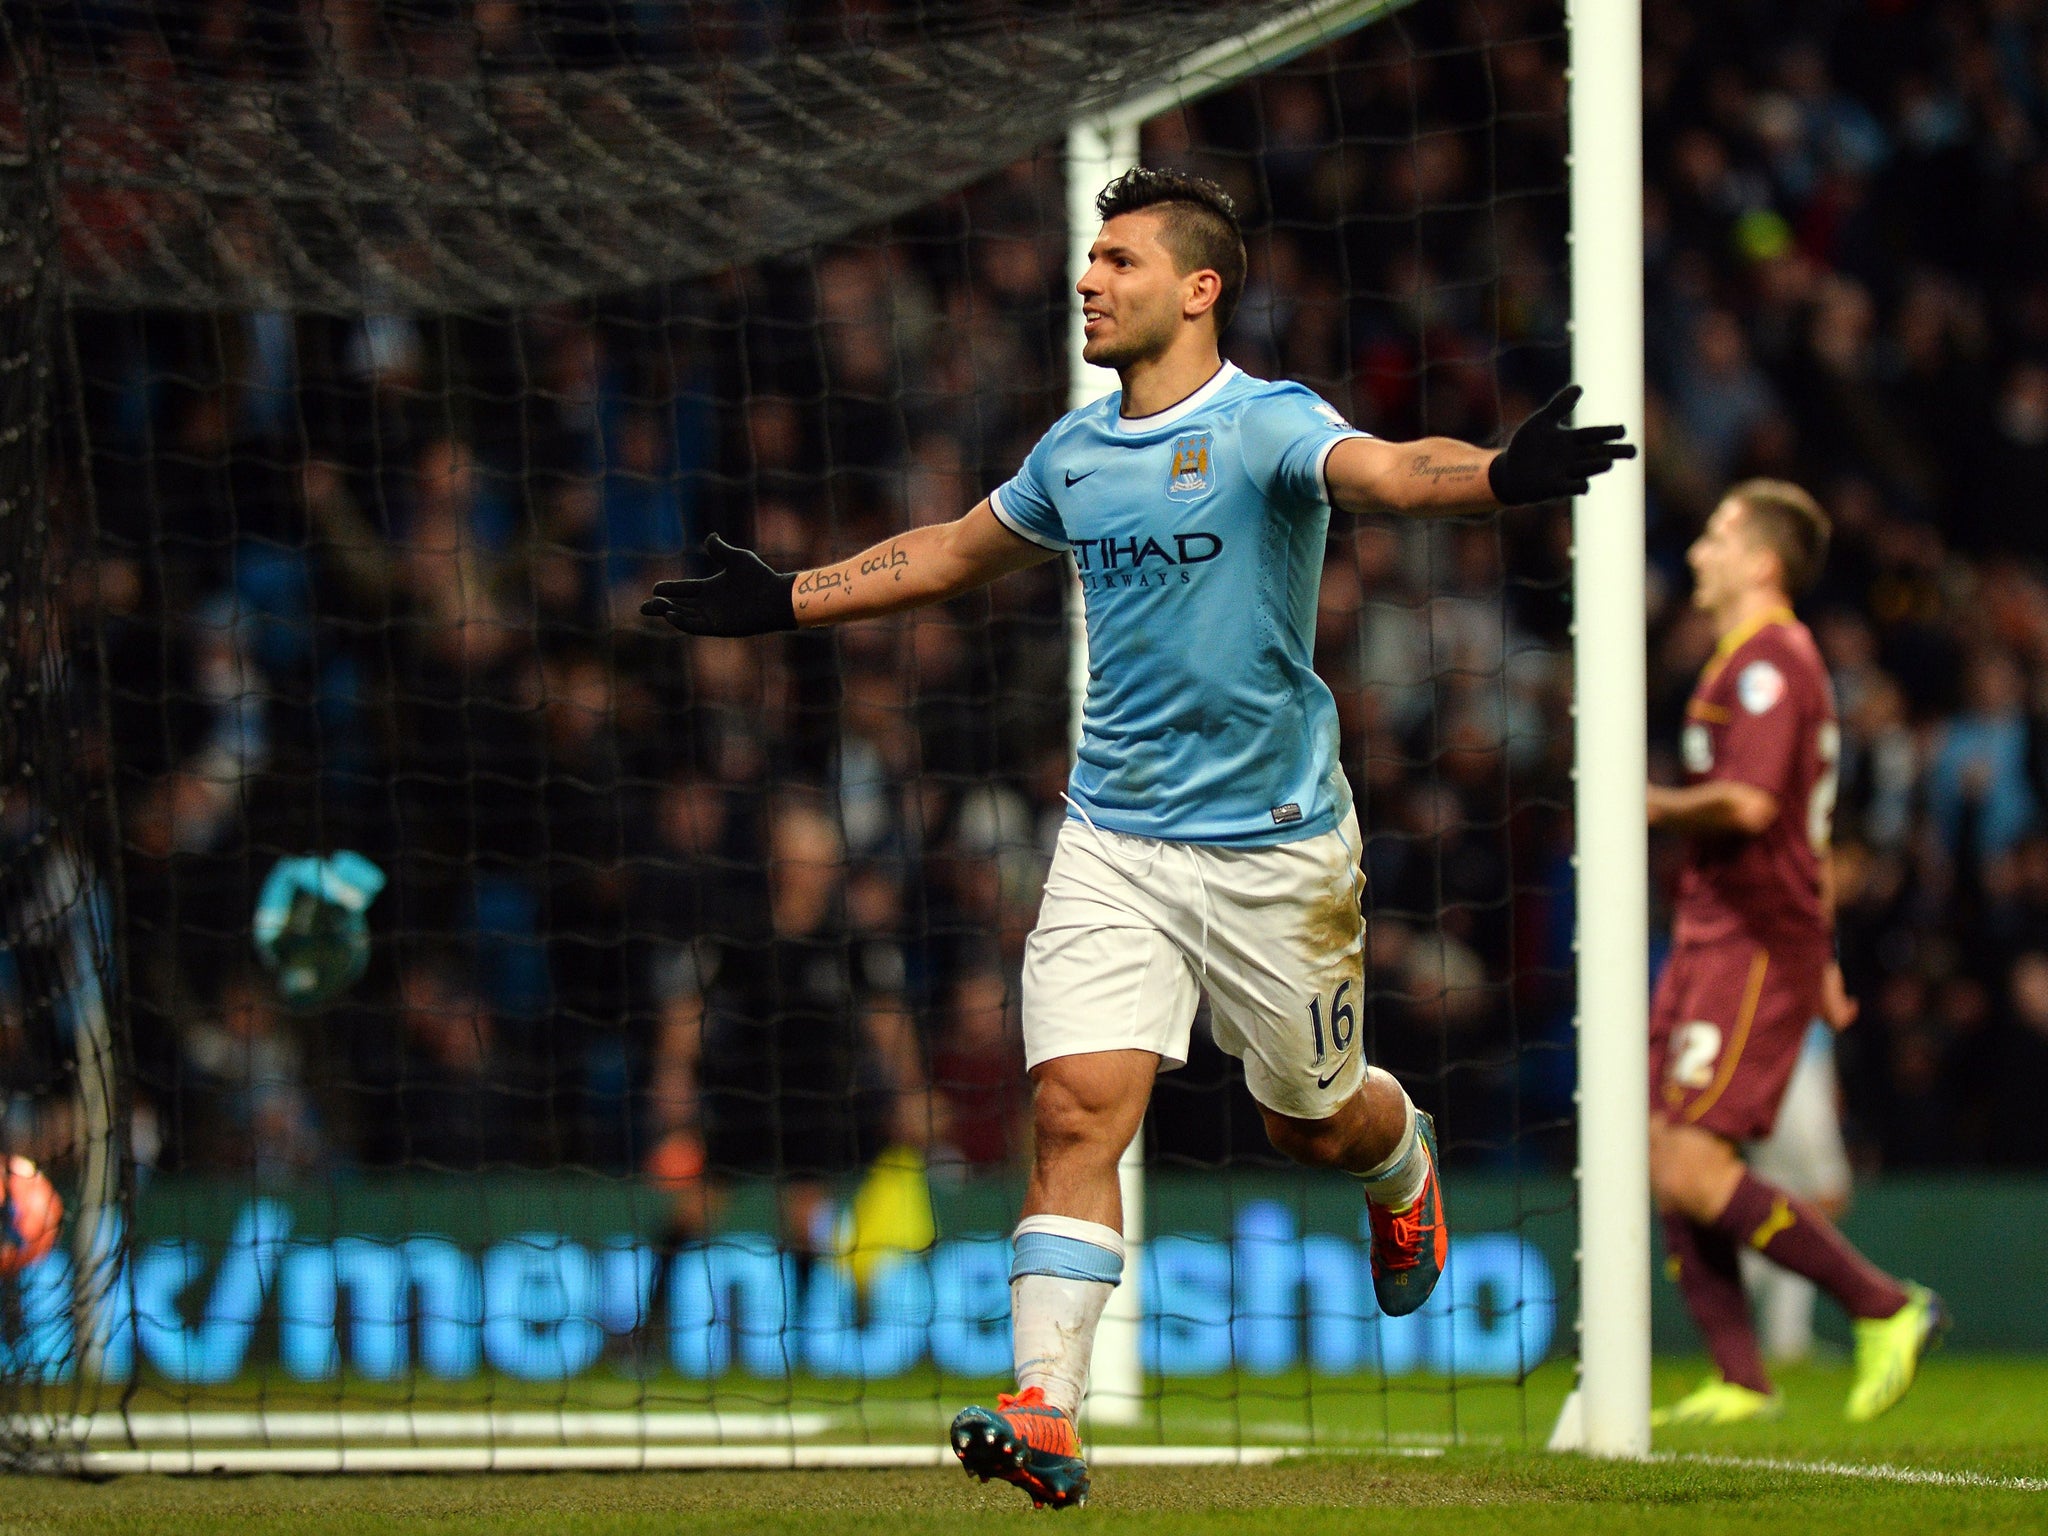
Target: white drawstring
(1082, 811)
(1193, 859)
(1203, 883)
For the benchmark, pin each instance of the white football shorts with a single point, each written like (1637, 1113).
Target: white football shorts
(1132, 929)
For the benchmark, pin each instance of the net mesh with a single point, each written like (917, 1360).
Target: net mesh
(61, 1063)
(411, 156)
(412, 342)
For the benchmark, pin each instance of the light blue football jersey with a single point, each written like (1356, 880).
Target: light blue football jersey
(1199, 535)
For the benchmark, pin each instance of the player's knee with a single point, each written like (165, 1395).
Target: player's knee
(1686, 1179)
(1668, 1186)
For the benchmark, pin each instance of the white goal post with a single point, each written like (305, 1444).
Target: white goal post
(1609, 1413)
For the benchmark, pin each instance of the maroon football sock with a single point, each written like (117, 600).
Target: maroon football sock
(1790, 1232)
(1711, 1283)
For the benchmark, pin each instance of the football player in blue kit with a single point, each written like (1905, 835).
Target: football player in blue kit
(1211, 844)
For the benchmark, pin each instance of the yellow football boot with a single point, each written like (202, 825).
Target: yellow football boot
(1889, 1351)
(1714, 1402)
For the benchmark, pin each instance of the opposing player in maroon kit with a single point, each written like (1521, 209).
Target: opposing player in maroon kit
(1752, 964)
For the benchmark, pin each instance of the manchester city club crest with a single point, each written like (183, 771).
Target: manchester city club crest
(1189, 477)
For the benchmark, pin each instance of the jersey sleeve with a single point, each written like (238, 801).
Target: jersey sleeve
(1760, 745)
(1023, 505)
(1287, 437)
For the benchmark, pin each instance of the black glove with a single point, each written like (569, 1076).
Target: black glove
(741, 596)
(1546, 460)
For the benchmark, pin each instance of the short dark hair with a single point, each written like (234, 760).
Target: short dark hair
(1786, 520)
(1201, 225)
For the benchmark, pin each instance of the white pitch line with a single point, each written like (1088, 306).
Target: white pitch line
(620, 1458)
(1875, 1472)
(1303, 1446)
(513, 1458)
(1188, 1455)
(1319, 1440)
(360, 1425)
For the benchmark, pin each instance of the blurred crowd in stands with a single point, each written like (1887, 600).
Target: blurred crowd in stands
(373, 582)
(1847, 216)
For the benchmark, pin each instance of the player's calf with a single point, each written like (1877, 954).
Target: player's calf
(1368, 1129)
(1791, 1233)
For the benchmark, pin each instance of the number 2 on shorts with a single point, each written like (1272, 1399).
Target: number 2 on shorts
(1695, 1048)
(1343, 1022)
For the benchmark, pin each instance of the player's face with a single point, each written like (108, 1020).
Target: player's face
(1725, 561)
(1131, 296)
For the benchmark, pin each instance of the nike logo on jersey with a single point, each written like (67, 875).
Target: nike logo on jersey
(1324, 1082)
(1074, 479)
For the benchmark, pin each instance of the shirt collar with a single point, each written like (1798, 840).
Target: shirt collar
(1132, 425)
(1740, 636)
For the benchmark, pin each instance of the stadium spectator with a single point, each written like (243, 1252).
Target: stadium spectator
(974, 1068)
(1977, 783)
(456, 1103)
(785, 1051)
(1723, 397)
(2018, 1133)
(644, 526)
(248, 1075)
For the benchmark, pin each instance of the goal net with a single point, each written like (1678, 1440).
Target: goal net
(472, 1026)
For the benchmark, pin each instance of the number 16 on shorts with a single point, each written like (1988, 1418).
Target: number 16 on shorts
(1333, 1045)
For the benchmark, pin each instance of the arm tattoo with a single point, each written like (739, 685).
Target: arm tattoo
(823, 584)
(820, 584)
(1423, 467)
(890, 559)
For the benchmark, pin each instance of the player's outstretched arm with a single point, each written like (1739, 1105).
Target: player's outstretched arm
(744, 596)
(1545, 460)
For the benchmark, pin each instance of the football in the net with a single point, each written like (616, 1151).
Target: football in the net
(32, 1214)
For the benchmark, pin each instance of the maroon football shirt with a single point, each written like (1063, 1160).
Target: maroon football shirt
(1763, 713)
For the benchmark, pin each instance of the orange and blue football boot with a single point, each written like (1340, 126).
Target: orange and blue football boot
(1409, 1246)
(1025, 1441)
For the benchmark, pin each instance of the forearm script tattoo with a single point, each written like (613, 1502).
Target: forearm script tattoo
(820, 587)
(1423, 467)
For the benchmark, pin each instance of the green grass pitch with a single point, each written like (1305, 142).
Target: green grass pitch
(1980, 1423)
